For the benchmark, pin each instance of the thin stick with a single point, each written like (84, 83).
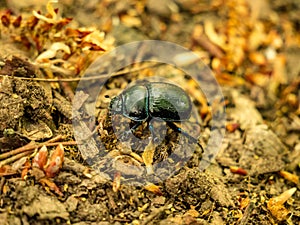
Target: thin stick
(28, 147)
(2, 182)
(31, 148)
(100, 76)
(24, 148)
(14, 158)
(65, 143)
(57, 138)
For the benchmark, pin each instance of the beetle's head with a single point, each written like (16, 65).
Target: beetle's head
(116, 105)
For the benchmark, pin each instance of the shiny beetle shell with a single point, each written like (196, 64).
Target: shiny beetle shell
(159, 100)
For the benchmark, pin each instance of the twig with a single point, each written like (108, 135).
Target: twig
(2, 182)
(28, 147)
(201, 39)
(24, 148)
(211, 211)
(57, 138)
(14, 158)
(57, 143)
(244, 220)
(111, 200)
(100, 76)
(153, 215)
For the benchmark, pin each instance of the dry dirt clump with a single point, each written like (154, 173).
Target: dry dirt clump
(25, 106)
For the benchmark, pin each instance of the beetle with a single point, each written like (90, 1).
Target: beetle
(154, 100)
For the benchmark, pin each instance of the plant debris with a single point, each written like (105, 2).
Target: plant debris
(253, 49)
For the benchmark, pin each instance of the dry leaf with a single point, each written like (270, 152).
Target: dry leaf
(258, 79)
(148, 155)
(117, 182)
(231, 127)
(238, 170)
(217, 39)
(52, 51)
(131, 21)
(19, 163)
(257, 58)
(50, 10)
(25, 170)
(244, 202)
(51, 185)
(192, 212)
(276, 207)
(55, 162)
(40, 159)
(153, 188)
(289, 176)
(7, 170)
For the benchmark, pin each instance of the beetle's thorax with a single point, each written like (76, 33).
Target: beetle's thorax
(135, 103)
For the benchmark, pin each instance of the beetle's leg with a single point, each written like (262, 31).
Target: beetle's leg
(126, 134)
(179, 130)
(151, 129)
(135, 126)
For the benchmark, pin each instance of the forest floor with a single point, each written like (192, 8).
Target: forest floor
(93, 173)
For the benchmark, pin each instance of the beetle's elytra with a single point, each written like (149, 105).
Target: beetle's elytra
(162, 101)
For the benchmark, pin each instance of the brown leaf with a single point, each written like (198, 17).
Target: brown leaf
(231, 127)
(62, 23)
(25, 170)
(148, 155)
(32, 22)
(289, 176)
(40, 159)
(7, 170)
(51, 185)
(77, 33)
(91, 46)
(17, 22)
(5, 20)
(238, 170)
(205, 43)
(257, 58)
(56, 161)
(153, 188)
(276, 207)
(117, 182)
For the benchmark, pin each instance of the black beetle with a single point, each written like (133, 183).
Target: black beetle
(154, 100)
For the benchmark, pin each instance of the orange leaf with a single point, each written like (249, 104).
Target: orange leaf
(6, 170)
(51, 185)
(40, 159)
(56, 161)
(153, 188)
(238, 170)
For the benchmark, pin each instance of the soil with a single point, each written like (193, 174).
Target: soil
(104, 176)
